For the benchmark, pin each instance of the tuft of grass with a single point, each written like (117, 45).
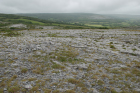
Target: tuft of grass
(56, 91)
(35, 88)
(47, 90)
(1, 90)
(32, 79)
(111, 82)
(136, 72)
(111, 42)
(2, 84)
(128, 75)
(115, 71)
(70, 91)
(134, 49)
(57, 66)
(52, 35)
(14, 77)
(125, 69)
(84, 90)
(38, 70)
(94, 77)
(24, 70)
(112, 46)
(81, 84)
(12, 34)
(113, 91)
(67, 55)
(138, 66)
(55, 71)
(13, 89)
(2, 65)
(73, 81)
(100, 82)
(104, 76)
(102, 90)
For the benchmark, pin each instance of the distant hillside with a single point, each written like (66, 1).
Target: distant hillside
(71, 20)
(70, 17)
(31, 23)
(122, 16)
(89, 19)
(66, 17)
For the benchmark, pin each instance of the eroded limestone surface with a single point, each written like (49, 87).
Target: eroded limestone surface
(71, 61)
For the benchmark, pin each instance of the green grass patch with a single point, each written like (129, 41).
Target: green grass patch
(12, 34)
(94, 25)
(31, 21)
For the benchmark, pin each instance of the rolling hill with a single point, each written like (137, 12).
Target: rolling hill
(89, 19)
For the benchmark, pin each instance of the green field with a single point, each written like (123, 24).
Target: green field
(32, 21)
(94, 25)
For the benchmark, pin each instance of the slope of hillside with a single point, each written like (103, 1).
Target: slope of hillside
(31, 22)
(89, 19)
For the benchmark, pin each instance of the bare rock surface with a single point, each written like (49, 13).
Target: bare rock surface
(71, 61)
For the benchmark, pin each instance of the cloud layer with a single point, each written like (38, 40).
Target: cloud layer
(71, 6)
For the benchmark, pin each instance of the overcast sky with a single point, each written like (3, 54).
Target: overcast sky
(71, 6)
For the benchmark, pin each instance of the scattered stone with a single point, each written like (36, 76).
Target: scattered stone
(123, 66)
(81, 66)
(97, 65)
(95, 90)
(137, 90)
(15, 64)
(28, 86)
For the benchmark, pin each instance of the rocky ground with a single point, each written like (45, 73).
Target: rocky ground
(70, 61)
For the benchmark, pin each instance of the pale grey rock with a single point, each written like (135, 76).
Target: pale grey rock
(38, 53)
(118, 89)
(82, 66)
(28, 86)
(95, 90)
(14, 64)
(17, 70)
(123, 66)
(137, 90)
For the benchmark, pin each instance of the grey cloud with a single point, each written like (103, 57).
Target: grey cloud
(68, 6)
